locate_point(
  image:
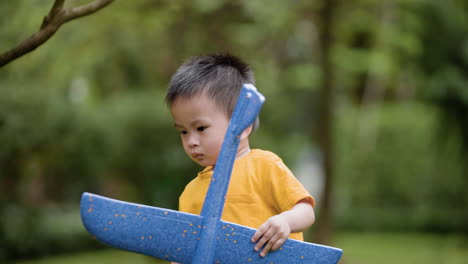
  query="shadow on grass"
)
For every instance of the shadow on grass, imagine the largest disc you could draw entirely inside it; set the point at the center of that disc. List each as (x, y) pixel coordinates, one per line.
(108, 256)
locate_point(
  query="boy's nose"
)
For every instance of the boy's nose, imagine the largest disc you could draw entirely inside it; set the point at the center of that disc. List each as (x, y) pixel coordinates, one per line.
(192, 141)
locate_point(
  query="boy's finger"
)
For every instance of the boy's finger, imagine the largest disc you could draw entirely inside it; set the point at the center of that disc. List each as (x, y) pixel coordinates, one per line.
(266, 249)
(259, 233)
(264, 239)
(270, 245)
(278, 244)
(261, 242)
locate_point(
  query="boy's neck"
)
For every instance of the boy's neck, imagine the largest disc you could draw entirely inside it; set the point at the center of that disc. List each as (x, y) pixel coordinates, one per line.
(242, 152)
(244, 148)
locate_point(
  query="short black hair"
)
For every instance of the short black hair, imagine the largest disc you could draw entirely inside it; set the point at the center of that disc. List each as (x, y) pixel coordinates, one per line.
(219, 76)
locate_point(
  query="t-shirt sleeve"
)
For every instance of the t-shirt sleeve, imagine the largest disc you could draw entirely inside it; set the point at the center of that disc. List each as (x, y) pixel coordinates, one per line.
(286, 189)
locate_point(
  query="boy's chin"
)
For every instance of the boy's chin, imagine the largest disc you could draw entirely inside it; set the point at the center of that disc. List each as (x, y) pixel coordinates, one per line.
(204, 163)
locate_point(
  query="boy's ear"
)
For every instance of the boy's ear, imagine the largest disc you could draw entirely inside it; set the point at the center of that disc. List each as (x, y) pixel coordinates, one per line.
(246, 133)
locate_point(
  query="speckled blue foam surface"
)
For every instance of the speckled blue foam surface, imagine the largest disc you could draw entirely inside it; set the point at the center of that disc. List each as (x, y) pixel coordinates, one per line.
(173, 235)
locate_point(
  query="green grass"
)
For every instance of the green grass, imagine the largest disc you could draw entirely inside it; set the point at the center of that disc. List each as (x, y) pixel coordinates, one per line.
(359, 248)
(402, 248)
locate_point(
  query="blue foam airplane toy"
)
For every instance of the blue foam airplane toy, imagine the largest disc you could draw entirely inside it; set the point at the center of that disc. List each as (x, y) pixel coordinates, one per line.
(197, 239)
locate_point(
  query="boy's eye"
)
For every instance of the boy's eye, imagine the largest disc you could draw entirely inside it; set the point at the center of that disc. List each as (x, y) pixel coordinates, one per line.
(201, 129)
(183, 132)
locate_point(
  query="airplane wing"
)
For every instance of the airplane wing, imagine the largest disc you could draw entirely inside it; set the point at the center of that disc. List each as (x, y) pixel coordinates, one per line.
(173, 235)
(158, 232)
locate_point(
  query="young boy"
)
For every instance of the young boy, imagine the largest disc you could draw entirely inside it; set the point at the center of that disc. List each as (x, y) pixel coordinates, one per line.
(263, 193)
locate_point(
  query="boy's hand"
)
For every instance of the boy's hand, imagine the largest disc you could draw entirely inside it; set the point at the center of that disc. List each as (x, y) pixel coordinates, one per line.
(276, 230)
(272, 234)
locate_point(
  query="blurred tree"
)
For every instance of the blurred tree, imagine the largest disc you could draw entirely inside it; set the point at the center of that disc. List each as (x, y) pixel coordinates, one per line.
(444, 65)
(52, 22)
(388, 53)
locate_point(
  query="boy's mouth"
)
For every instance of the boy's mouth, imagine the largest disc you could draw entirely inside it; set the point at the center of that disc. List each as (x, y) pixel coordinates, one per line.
(197, 155)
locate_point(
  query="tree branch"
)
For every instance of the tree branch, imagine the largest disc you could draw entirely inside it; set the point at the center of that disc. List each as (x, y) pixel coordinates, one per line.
(58, 5)
(57, 17)
(87, 9)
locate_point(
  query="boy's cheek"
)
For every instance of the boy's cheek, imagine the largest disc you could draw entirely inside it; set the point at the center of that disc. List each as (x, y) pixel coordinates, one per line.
(186, 149)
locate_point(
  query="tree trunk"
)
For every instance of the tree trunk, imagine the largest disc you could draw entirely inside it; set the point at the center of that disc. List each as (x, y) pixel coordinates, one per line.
(324, 227)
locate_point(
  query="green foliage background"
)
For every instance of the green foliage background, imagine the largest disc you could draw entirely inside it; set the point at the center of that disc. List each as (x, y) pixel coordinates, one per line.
(86, 111)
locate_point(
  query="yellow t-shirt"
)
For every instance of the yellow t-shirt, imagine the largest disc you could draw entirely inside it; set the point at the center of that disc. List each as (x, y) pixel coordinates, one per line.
(261, 186)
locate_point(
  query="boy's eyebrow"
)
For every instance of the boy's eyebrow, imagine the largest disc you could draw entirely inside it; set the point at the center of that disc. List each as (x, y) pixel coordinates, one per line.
(177, 125)
(194, 123)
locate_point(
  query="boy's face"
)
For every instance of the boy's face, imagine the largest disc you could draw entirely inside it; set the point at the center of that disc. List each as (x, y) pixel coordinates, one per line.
(202, 126)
